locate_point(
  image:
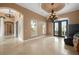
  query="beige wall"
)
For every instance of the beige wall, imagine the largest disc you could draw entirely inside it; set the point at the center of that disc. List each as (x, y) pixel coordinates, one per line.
(73, 17)
(28, 15)
(49, 28)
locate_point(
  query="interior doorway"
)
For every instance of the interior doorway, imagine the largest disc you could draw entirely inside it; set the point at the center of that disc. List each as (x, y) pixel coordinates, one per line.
(9, 28)
(60, 28)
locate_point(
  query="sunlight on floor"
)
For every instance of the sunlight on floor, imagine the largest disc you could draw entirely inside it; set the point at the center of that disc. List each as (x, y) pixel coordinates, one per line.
(44, 45)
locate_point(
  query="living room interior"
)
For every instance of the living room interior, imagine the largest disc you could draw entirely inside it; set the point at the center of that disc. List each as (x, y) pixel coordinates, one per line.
(39, 29)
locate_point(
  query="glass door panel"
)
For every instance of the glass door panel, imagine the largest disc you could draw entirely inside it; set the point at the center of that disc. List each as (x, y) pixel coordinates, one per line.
(56, 28)
(63, 28)
(60, 28)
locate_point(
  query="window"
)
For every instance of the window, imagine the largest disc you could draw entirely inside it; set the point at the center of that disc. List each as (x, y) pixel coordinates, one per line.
(33, 27)
(56, 28)
(44, 28)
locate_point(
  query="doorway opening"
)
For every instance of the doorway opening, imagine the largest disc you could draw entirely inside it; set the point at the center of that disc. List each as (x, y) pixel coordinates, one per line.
(60, 28)
(9, 28)
(11, 24)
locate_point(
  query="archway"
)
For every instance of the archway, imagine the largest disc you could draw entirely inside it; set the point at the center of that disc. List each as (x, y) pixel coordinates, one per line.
(8, 22)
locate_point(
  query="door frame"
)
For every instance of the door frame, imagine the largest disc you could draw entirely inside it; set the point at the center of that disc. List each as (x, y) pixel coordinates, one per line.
(54, 28)
(5, 27)
(59, 27)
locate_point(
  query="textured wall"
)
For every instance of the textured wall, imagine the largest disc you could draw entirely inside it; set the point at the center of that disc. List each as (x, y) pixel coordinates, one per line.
(73, 17)
(73, 26)
(49, 28)
(28, 15)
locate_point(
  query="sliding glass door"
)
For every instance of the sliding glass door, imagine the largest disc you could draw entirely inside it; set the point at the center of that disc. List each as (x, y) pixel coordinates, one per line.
(60, 28)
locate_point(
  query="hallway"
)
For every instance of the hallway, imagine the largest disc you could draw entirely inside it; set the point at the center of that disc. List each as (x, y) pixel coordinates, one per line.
(43, 45)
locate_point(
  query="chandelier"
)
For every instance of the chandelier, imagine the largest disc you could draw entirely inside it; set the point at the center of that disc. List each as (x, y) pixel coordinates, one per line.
(52, 15)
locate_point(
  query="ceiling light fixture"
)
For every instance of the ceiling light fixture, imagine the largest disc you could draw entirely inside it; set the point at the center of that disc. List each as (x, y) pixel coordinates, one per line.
(52, 16)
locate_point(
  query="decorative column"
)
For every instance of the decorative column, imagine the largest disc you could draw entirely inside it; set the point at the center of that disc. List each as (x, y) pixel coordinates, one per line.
(1, 27)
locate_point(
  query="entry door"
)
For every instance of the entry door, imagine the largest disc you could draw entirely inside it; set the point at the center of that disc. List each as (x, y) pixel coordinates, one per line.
(63, 28)
(56, 28)
(60, 28)
(9, 28)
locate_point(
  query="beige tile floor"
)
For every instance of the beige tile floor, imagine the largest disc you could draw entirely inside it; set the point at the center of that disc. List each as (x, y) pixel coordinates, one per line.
(47, 45)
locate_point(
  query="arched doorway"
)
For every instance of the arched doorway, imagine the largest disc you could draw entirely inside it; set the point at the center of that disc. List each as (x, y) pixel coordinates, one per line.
(8, 22)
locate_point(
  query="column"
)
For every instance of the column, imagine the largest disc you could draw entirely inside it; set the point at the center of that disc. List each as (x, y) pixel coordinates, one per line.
(1, 27)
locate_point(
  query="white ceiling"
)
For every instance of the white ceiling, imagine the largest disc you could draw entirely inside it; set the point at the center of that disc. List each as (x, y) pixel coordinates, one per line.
(36, 7)
(69, 7)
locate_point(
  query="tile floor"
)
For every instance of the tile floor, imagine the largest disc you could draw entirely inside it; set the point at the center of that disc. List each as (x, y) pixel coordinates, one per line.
(46, 45)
